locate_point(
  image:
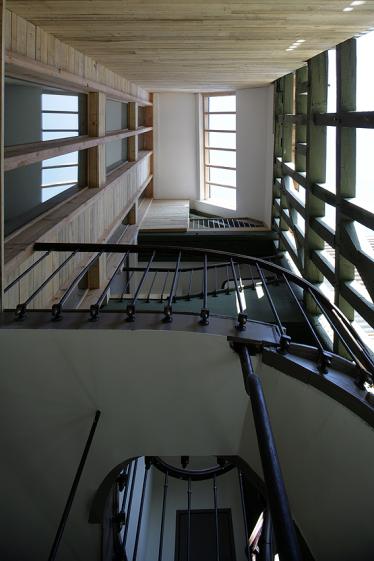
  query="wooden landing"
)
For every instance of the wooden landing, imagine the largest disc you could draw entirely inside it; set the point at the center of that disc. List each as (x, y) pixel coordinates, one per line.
(167, 215)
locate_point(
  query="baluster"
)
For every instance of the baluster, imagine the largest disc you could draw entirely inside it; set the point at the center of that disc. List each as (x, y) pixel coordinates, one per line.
(216, 519)
(94, 309)
(204, 313)
(147, 465)
(284, 339)
(150, 288)
(129, 507)
(26, 271)
(245, 521)
(164, 286)
(161, 544)
(130, 310)
(168, 310)
(22, 308)
(188, 297)
(242, 316)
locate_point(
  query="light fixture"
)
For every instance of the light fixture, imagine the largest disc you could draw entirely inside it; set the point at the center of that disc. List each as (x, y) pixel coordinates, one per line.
(358, 2)
(300, 41)
(349, 9)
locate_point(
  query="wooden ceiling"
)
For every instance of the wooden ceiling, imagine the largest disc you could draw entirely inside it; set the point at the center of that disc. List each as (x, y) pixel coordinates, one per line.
(198, 45)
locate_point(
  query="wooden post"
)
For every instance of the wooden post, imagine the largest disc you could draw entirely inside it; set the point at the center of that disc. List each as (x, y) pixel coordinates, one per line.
(345, 169)
(2, 218)
(133, 125)
(315, 166)
(96, 127)
(148, 143)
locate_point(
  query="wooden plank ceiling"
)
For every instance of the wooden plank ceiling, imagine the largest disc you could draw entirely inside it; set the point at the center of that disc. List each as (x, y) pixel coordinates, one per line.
(199, 45)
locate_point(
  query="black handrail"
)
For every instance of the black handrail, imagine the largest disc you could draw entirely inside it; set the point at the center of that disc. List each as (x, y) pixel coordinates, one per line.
(285, 533)
(73, 490)
(340, 323)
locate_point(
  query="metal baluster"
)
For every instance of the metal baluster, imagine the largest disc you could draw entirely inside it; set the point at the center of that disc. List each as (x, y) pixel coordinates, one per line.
(161, 545)
(245, 521)
(150, 288)
(204, 312)
(324, 358)
(242, 317)
(164, 286)
(26, 271)
(189, 492)
(188, 297)
(128, 512)
(95, 308)
(130, 310)
(253, 280)
(168, 309)
(239, 278)
(57, 308)
(126, 492)
(127, 284)
(73, 490)
(284, 339)
(228, 281)
(21, 308)
(216, 516)
(215, 283)
(147, 465)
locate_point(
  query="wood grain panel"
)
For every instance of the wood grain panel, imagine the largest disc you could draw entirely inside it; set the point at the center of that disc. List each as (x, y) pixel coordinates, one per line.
(198, 45)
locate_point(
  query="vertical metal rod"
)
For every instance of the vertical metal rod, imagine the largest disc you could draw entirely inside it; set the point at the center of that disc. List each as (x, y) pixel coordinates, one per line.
(189, 285)
(126, 492)
(150, 288)
(245, 521)
(215, 282)
(146, 469)
(130, 310)
(164, 286)
(269, 298)
(253, 280)
(204, 312)
(21, 308)
(127, 284)
(73, 490)
(168, 310)
(284, 527)
(227, 280)
(216, 516)
(127, 523)
(2, 187)
(189, 491)
(27, 271)
(161, 545)
(236, 286)
(94, 310)
(239, 278)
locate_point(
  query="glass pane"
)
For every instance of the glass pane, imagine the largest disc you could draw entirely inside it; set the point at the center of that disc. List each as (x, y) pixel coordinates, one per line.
(365, 75)
(299, 220)
(221, 196)
(51, 102)
(221, 158)
(222, 103)
(297, 190)
(222, 122)
(329, 253)
(66, 159)
(291, 239)
(222, 176)
(327, 290)
(364, 177)
(50, 192)
(222, 140)
(331, 91)
(60, 121)
(54, 176)
(59, 134)
(365, 331)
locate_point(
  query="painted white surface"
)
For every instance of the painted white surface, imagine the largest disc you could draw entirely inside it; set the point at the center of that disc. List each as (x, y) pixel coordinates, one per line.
(254, 152)
(176, 146)
(165, 393)
(177, 151)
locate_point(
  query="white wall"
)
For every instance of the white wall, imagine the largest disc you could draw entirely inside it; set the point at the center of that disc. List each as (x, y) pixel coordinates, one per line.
(255, 152)
(177, 151)
(176, 146)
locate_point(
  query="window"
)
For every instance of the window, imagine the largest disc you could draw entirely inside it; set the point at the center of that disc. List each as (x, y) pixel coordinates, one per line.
(116, 152)
(220, 149)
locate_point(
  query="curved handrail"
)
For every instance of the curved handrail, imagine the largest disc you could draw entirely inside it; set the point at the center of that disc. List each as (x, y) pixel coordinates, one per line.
(350, 339)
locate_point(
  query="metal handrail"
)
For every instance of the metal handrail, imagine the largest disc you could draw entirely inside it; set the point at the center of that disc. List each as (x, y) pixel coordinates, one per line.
(337, 320)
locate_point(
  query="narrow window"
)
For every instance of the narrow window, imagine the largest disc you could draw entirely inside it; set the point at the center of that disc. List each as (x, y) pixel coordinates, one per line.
(220, 149)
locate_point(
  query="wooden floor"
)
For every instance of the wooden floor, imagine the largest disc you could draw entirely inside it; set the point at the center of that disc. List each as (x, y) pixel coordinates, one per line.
(167, 216)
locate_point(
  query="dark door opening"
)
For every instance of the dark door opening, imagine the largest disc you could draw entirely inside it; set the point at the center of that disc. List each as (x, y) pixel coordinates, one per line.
(203, 535)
